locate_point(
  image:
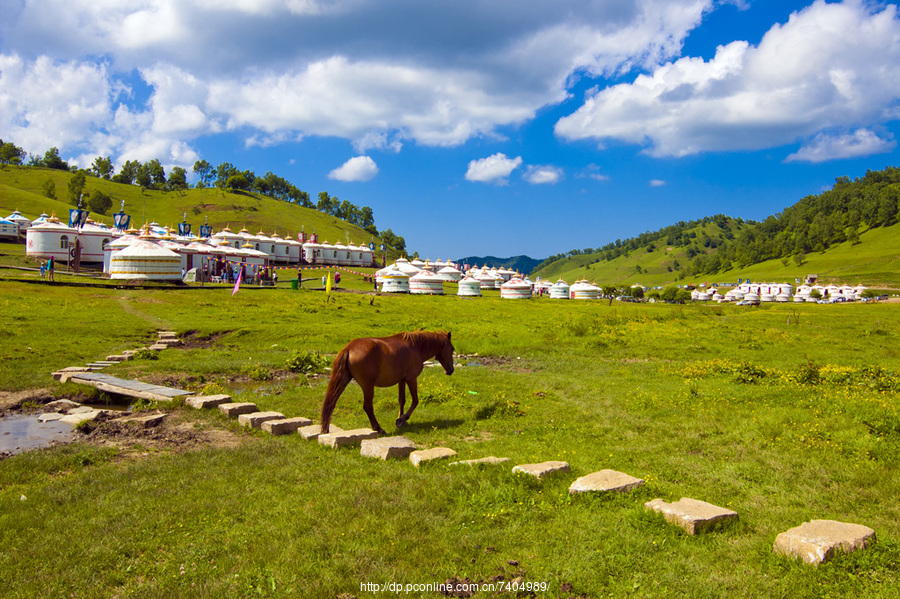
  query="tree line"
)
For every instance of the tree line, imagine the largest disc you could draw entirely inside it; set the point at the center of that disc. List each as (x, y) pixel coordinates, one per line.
(152, 175)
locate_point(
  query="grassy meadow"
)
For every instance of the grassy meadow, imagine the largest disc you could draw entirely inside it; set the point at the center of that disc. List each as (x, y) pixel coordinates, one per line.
(784, 413)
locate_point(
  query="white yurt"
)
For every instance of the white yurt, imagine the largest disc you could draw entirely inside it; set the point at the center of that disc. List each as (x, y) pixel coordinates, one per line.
(426, 282)
(450, 274)
(515, 289)
(22, 222)
(405, 267)
(49, 238)
(145, 259)
(489, 279)
(417, 263)
(114, 246)
(394, 281)
(584, 290)
(9, 230)
(560, 290)
(469, 287)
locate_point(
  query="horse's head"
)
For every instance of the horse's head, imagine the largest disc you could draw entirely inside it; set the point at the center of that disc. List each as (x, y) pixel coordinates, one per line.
(445, 355)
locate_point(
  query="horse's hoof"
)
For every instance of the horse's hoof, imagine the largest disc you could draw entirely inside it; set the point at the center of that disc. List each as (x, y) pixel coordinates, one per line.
(400, 423)
(381, 431)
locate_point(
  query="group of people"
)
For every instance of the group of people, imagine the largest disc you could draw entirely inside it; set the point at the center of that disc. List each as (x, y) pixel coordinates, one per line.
(47, 269)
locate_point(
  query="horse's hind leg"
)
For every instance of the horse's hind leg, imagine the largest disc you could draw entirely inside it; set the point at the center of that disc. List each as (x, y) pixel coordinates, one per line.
(414, 393)
(401, 399)
(369, 407)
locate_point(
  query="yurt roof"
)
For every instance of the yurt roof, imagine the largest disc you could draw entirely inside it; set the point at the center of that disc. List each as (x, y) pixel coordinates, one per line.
(145, 247)
(426, 275)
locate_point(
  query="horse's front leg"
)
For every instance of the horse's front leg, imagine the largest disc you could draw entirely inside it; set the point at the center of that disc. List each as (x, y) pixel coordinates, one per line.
(401, 399)
(414, 393)
(369, 407)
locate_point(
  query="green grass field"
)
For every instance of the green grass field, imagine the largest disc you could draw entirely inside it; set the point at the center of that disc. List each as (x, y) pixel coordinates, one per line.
(783, 413)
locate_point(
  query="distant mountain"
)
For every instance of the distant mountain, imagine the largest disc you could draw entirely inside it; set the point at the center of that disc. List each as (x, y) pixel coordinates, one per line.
(523, 264)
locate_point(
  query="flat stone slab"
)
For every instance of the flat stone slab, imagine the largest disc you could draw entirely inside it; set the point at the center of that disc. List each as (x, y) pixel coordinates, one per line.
(818, 541)
(158, 346)
(313, 431)
(255, 419)
(429, 455)
(693, 515)
(146, 420)
(488, 460)
(94, 366)
(386, 448)
(609, 481)
(541, 470)
(163, 334)
(168, 341)
(201, 402)
(50, 416)
(235, 409)
(347, 438)
(78, 418)
(285, 426)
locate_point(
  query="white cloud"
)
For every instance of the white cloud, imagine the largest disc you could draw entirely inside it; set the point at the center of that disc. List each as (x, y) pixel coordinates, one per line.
(831, 66)
(493, 169)
(657, 182)
(824, 147)
(539, 175)
(372, 73)
(359, 168)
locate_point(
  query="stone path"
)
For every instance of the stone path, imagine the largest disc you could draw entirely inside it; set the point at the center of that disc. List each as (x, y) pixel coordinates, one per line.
(813, 542)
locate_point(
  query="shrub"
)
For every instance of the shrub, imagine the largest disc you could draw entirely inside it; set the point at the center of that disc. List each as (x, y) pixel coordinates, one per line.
(306, 362)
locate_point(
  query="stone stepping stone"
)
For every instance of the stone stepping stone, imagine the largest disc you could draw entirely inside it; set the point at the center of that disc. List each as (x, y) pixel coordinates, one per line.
(146, 421)
(81, 410)
(158, 346)
(693, 515)
(200, 402)
(386, 448)
(233, 410)
(285, 426)
(167, 341)
(429, 455)
(541, 470)
(488, 460)
(50, 417)
(818, 541)
(79, 417)
(118, 358)
(605, 481)
(95, 366)
(255, 419)
(347, 438)
(60, 374)
(312, 431)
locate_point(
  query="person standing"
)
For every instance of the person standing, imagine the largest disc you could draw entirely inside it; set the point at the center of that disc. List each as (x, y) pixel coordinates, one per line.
(50, 269)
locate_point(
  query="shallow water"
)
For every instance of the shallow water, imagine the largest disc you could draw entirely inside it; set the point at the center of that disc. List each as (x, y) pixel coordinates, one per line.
(19, 432)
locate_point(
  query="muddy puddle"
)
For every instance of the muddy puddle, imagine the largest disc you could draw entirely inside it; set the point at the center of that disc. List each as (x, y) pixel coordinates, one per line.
(21, 432)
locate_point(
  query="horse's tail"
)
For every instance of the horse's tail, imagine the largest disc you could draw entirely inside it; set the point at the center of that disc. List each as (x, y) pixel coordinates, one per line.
(340, 377)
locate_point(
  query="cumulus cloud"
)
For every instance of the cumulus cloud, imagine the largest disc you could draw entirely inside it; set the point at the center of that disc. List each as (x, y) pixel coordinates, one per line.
(372, 73)
(541, 175)
(493, 169)
(359, 168)
(657, 182)
(830, 66)
(824, 147)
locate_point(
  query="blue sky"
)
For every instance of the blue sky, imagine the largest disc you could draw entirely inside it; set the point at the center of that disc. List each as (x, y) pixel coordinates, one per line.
(472, 127)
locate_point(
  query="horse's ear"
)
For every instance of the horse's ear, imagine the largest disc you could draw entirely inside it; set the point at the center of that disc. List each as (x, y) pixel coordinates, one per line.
(448, 335)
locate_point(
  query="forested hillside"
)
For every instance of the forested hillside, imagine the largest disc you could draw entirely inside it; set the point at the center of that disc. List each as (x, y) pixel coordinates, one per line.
(841, 223)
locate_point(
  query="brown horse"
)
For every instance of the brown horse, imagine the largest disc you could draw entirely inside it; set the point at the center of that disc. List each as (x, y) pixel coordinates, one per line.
(385, 362)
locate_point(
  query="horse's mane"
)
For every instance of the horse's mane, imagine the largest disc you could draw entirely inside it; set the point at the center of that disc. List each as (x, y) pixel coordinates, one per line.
(427, 341)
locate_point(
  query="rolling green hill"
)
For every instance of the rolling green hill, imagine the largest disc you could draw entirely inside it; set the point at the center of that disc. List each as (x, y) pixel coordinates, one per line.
(874, 261)
(22, 188)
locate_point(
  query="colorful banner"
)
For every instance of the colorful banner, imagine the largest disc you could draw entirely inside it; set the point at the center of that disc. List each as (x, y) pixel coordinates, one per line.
(77, 217)
(237, 284)
(121, 220)
(205, 231)
(184, 229)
